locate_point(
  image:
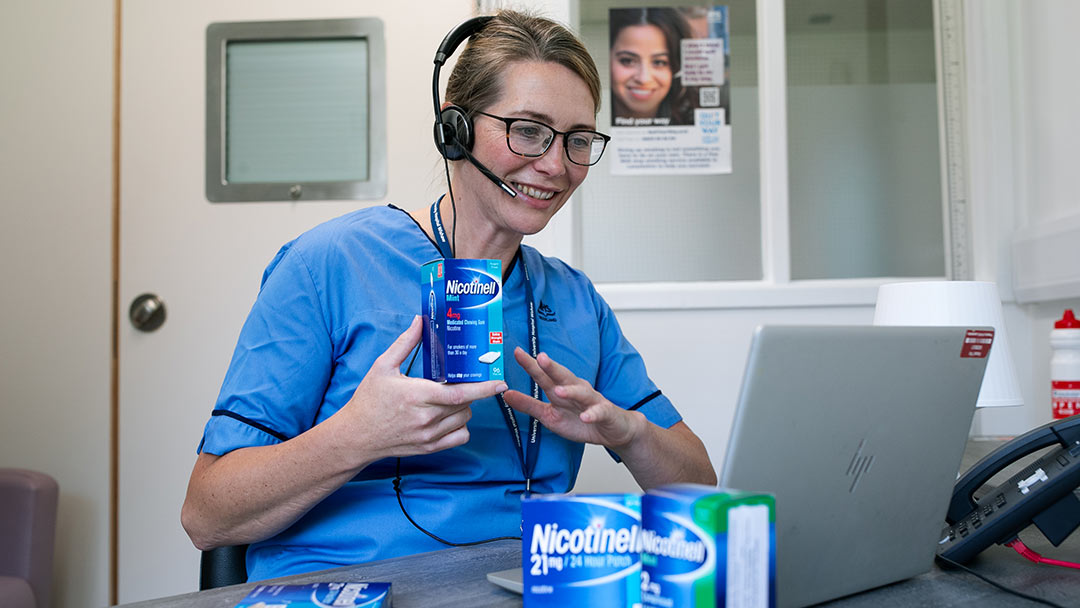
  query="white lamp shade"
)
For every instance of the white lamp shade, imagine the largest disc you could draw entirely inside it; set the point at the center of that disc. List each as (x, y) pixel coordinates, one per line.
(970, 303)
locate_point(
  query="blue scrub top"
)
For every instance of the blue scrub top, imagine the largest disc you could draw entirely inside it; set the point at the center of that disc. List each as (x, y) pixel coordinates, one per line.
(331, 302)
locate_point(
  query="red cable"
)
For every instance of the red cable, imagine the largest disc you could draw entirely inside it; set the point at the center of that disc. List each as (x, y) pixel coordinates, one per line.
(1022, 549)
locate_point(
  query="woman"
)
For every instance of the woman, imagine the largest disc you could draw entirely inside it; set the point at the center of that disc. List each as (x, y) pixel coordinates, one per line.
(645, 65)
(326, 448)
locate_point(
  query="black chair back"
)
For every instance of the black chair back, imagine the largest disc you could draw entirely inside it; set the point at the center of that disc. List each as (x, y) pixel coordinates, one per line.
(223, 566)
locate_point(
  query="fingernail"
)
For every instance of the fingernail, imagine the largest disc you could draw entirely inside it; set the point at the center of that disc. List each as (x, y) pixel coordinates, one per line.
(502, 388)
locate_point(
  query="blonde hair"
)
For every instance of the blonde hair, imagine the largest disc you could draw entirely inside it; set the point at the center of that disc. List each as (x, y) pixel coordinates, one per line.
(512, 36)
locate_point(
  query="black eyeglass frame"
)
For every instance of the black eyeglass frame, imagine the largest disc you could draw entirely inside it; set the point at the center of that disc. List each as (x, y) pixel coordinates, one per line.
(555, 132)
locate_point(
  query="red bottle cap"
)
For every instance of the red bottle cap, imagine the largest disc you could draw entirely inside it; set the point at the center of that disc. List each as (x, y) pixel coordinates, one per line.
(1068, 321)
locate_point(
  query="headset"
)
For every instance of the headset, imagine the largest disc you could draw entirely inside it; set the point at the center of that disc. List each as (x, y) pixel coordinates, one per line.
(453, 128)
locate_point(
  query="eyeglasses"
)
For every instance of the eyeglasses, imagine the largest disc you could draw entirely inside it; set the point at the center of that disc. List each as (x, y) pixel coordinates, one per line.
(532, 139)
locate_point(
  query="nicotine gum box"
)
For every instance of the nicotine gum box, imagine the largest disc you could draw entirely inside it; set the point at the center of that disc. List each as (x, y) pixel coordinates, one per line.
(581, 550)
(317, 595)
(463, 322)
(704, 546)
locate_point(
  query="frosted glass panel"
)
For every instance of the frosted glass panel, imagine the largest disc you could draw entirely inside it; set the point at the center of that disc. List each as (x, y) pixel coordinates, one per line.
(297, 111)
(864, 166)
(676, 228)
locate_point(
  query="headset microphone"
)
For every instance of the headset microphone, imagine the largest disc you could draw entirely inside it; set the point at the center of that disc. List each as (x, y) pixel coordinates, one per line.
(488, 173)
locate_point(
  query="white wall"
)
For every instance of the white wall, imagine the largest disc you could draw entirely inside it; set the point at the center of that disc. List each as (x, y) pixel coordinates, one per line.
(1023, 129)
(56, 66)
(1048, 106)
(1046, 264)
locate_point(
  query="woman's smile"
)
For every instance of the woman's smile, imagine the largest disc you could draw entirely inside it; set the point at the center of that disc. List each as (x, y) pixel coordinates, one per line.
(532, 192)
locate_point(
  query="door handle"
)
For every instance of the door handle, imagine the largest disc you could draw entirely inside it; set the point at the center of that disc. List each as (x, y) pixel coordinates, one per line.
(147, 312)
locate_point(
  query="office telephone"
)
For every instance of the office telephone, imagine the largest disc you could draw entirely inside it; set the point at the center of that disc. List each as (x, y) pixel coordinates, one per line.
(1042, 493)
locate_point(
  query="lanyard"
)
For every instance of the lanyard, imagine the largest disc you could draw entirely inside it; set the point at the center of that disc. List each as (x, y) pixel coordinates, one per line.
(529, 452)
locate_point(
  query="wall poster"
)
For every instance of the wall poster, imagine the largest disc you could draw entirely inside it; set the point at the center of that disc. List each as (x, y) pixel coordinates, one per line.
(670, 95)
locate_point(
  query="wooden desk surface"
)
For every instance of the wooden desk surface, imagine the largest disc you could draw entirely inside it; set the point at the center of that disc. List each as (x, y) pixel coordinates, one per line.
(456, 577)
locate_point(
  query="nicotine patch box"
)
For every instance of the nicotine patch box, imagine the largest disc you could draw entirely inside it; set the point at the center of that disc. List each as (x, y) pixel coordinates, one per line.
(319, 595)
(581, 550)
(463, 320)
(703, 547)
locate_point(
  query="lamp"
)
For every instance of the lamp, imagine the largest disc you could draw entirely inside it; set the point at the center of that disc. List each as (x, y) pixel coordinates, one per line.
(970, 303)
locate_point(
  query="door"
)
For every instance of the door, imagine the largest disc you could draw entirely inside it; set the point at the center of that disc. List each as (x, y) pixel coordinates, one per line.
(204, 260)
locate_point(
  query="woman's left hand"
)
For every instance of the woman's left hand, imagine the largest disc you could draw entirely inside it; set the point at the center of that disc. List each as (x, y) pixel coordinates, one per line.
(576, 410)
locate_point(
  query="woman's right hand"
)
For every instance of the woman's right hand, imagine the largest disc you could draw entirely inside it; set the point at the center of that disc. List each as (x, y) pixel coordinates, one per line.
(393, 415)
(252, 493)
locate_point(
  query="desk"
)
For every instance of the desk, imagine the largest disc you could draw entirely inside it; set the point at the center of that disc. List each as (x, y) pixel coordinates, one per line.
(452, 578)
(456, 577)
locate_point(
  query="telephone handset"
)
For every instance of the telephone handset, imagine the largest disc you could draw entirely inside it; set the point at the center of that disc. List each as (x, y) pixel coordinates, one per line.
(1042, 493)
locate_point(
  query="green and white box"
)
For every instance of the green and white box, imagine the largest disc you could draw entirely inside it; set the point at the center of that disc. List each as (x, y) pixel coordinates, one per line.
(704, 546)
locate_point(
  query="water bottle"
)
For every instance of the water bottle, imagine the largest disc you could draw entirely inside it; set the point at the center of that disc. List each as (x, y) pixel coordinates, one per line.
(1065, 366)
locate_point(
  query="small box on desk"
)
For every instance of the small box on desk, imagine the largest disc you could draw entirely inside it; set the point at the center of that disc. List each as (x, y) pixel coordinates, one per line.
(703, 547)
(581, 550)
(318, 595)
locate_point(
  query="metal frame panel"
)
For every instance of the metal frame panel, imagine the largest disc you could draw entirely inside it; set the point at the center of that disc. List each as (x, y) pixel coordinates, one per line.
(218, 35)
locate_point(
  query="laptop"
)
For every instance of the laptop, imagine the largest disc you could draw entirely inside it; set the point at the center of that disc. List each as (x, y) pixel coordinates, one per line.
(858, 431)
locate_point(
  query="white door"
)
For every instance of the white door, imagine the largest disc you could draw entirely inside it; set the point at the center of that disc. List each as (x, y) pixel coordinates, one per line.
(204, 260)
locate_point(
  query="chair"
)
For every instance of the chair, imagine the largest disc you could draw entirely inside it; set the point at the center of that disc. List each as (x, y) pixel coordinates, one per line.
(28, 502)
(223, 566)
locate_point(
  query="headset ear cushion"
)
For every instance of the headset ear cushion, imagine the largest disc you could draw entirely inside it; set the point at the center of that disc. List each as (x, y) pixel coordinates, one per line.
(457, 129)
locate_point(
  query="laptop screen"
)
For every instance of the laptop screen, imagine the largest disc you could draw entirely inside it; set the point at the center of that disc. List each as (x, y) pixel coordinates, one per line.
(858, 431)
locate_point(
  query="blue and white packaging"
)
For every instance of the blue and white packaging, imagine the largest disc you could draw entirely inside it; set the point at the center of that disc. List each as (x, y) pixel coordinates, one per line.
(704, 547)
(463, 324)
(319, 595)
(581, 550)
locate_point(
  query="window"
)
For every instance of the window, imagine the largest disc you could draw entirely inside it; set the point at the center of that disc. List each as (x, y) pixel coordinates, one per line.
(864, 171)
(296, 110)
(836, 162)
